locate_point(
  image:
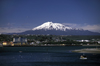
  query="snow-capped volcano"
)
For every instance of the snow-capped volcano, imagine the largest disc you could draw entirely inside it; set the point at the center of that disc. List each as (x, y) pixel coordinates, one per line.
(56, 29)
(52, 26)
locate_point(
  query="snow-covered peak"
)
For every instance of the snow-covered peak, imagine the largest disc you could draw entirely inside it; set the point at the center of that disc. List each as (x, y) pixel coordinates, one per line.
(51, 26)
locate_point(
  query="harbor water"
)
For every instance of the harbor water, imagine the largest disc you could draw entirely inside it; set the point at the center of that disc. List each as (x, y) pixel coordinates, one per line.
(46, 56)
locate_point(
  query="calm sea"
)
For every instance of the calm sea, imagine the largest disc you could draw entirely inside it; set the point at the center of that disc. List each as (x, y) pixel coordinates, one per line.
(46, 56)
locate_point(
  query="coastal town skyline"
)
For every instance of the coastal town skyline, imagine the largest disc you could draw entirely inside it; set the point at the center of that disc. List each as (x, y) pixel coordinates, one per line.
(22, 15)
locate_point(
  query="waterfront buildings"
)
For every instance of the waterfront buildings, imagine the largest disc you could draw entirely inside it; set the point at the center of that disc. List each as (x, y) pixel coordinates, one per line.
(19, 41)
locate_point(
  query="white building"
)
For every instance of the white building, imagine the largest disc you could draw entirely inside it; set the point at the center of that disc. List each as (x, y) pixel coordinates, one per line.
(37, 42)
(32, 43)
(82, 40)
(99, 42)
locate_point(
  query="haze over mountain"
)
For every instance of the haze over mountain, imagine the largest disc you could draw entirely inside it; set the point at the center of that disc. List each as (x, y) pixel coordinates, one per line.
(57, 29)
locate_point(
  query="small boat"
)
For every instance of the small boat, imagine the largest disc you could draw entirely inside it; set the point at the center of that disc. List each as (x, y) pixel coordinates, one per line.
(83, 57)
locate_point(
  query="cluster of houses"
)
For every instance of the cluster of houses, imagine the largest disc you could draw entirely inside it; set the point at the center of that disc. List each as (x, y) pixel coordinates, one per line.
(24, 41)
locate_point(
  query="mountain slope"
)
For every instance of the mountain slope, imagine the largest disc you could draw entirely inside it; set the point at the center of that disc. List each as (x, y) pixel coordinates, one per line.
(58, 32)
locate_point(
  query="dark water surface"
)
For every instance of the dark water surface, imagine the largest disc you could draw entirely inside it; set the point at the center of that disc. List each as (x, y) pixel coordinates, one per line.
(46, 56)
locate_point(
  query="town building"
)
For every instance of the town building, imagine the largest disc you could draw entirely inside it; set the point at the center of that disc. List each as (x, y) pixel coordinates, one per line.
(4, 43)
(19, 41)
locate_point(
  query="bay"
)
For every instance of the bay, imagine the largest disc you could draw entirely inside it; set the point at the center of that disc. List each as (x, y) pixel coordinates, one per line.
(46, 56)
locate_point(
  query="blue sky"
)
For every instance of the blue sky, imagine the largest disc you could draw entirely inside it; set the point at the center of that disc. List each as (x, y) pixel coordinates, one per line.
(22, 15)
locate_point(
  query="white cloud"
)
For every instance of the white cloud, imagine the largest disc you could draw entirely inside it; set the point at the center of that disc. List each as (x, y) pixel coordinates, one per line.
(70, 24)
(12, 30)
(94, 28)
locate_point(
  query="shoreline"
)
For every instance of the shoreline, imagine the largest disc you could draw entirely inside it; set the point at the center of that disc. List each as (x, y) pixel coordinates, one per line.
(86, 50)
(40, 45)
(90, 45)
